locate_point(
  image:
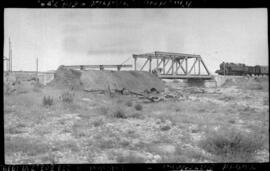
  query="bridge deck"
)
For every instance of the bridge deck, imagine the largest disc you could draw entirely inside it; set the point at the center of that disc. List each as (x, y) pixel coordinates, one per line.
(167, 76)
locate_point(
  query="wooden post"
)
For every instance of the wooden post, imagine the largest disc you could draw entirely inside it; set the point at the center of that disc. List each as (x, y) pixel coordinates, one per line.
(135, 63)
(118, 67)
(37, 66)
(101, 67)
(224, 68)
(10, 55)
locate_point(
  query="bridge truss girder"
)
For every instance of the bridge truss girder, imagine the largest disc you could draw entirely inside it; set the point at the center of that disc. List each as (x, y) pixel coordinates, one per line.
(173, 64)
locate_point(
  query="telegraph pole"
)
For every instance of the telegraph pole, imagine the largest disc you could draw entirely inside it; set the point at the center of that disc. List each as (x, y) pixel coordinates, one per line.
(224, 68)
(37, 66)
(10, 55)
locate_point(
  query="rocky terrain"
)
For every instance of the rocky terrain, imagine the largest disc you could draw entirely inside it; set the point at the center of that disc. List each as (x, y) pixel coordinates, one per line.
(52, 124)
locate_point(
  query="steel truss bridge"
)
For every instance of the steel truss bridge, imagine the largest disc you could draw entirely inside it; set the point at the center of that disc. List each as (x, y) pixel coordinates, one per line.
(173, 65)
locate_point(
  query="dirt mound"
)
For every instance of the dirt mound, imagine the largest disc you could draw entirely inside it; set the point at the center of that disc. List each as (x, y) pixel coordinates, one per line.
(20, 83)
(102, 80)
(66, 78)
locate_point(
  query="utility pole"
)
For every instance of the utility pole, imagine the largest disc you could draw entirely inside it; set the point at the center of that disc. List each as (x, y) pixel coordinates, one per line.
(37, 66)
(224, 68)
(10, 55)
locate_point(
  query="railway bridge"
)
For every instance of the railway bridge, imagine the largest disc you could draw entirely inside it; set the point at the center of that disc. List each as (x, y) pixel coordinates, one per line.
(173, 65)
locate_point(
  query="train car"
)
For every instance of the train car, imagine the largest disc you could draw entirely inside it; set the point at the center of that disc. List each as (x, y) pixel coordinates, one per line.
(232, 69)
(251, 70)
(264, 70)
(241, 69)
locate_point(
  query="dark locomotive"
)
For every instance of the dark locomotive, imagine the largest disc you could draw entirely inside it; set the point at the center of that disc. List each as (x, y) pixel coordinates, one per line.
(241, 69)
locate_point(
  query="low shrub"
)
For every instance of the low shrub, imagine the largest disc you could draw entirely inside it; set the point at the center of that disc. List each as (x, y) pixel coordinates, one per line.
(232, 121)
(165, 128)
(119, 101)
(29, 146)
(129, 103)
(67, 97)
(266, 101)
(37, 89)
(131, 157)
(232, 145)
(98, 122)
(136, 115)
(47, 101)
(138, 107)
(119, 113)
(255, 86)
(102, 110)
(8, 89)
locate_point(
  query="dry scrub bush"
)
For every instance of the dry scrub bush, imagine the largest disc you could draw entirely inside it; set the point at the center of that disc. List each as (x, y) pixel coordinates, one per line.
(47, 101)
(67, 97)
(138, 107)
(98, 122)
(136, 115)
(165, 128)
(119, 113)
(103, 110)
(131, 157)
(232, 145)
(8, 89)
(37, 89)
(266, 101)
(129, 103)
(254, 86)
(29, 146)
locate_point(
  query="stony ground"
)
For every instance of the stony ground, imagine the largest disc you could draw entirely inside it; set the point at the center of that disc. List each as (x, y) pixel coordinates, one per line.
(97, 128)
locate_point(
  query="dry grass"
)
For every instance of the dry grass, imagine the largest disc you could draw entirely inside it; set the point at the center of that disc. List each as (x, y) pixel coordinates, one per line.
(231, 145)
(47, 101)
(67, 97)
(129, 103)
(95, 127)
(130, 157)
(28, 146)
(119, 113)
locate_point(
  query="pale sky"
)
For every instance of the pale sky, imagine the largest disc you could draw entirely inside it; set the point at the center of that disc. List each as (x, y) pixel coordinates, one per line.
(110, 36)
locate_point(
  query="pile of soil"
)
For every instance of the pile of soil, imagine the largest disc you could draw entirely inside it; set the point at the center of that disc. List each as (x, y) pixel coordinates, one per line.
(102, 80)
(20, 83)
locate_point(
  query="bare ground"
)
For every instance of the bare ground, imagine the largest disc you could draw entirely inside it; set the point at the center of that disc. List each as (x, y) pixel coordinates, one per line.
(97, 128)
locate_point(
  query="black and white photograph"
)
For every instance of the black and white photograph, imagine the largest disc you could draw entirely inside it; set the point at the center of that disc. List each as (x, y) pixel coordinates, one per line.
(135, 85)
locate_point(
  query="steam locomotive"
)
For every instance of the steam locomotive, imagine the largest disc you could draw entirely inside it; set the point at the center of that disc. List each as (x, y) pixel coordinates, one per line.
(241, 69)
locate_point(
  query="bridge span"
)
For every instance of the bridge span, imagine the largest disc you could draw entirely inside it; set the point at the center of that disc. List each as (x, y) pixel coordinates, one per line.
(169, 65)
